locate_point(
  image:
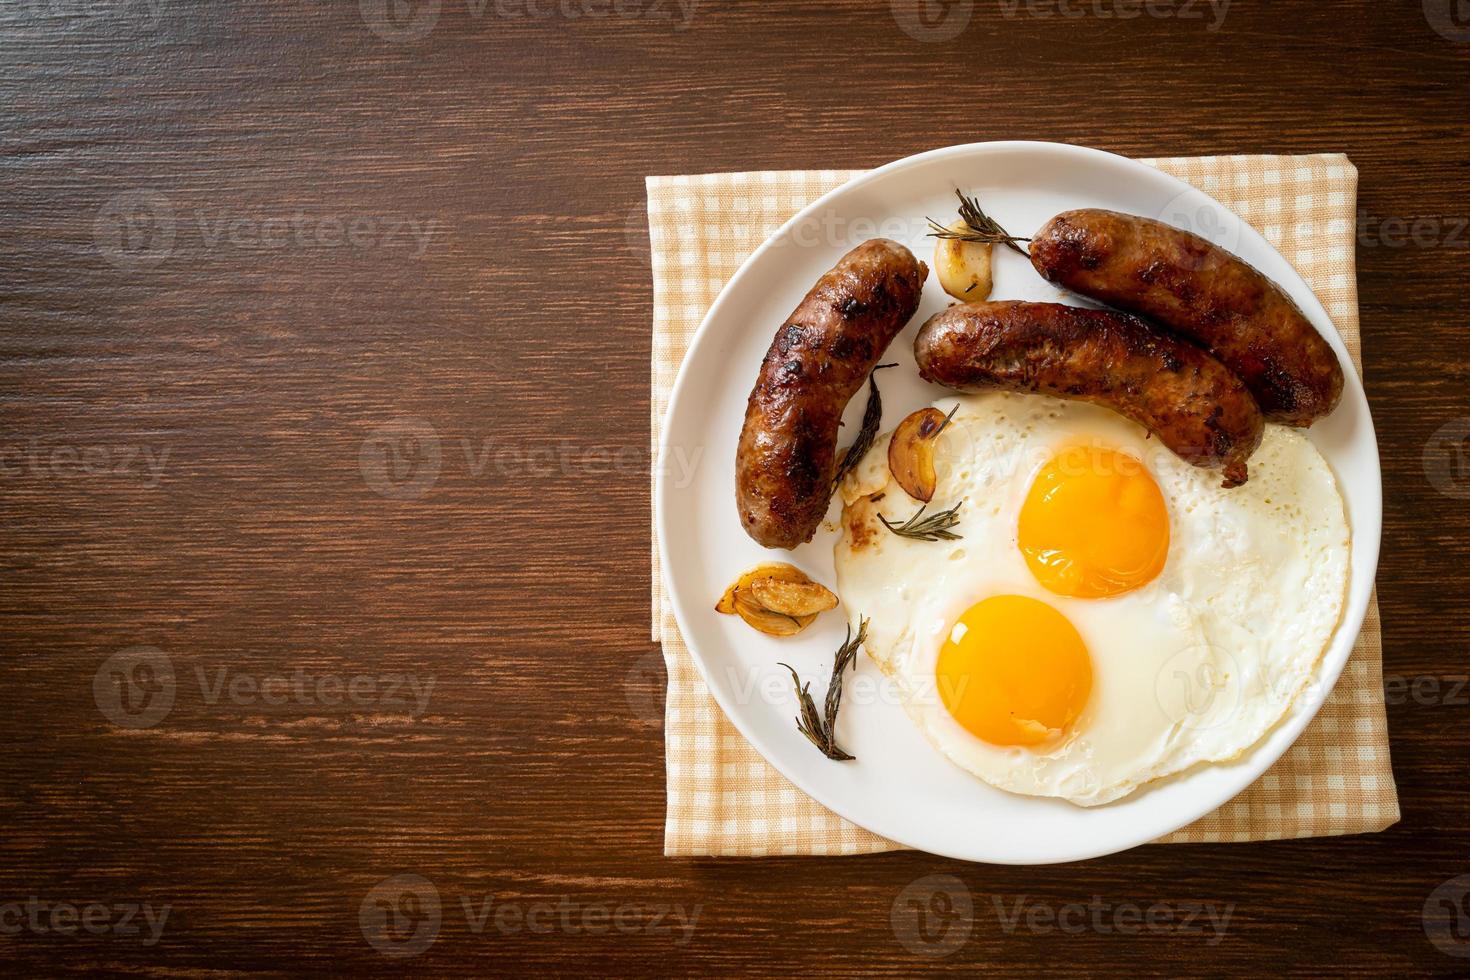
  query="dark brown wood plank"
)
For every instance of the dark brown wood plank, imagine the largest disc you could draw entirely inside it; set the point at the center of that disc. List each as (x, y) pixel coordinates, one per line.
(184, 420)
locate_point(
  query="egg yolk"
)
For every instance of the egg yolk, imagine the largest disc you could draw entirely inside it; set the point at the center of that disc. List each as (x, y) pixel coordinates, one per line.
(1094, 524)
(1014, 671)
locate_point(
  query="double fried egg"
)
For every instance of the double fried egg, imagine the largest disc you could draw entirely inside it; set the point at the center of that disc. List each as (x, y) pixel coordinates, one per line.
(1108, 615)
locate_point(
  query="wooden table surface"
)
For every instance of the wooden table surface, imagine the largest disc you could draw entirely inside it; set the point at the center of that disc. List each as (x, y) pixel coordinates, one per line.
(260, 668)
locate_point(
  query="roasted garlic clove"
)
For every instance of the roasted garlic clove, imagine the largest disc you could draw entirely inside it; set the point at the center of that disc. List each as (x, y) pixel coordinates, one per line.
(776, 598)
(764, 620)
(792, 598)
(963, 267)
(778, 570)
(911, 452)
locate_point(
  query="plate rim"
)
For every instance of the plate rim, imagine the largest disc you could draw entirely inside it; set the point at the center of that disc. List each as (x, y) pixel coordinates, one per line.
(1354, 610)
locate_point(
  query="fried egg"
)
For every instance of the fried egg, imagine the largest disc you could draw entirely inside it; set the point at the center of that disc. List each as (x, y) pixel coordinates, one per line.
(1109, 615)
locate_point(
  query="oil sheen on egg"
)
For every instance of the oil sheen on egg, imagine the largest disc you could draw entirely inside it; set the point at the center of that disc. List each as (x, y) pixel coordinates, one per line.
(1111, 615)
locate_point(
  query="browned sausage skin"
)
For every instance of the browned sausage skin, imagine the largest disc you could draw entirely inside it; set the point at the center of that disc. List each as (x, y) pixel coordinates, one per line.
(1192, 402)
(1203, 293)
(821, 355)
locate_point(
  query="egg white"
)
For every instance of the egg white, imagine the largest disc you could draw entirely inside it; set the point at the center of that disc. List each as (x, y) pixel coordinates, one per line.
(1197, 666)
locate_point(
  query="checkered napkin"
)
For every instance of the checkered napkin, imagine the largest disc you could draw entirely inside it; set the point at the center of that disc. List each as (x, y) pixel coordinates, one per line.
(724, 799)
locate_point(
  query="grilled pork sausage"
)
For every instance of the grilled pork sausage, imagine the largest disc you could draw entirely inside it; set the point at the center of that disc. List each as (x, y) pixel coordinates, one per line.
(821, 355)
(1203, 293)
(1192, 402)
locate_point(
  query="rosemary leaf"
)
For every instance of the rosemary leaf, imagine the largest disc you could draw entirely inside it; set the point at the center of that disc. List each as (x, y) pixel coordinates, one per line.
(936, 527)
(821, 730)
(872, 418)
(809, 723)
(979, 227)
(945, 424)
(846, 656)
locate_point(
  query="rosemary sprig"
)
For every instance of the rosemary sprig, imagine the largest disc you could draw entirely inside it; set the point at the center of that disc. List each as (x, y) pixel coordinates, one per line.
(821, 730)
(979, 227)
(872, 418)
(945, 424)
(935, 527)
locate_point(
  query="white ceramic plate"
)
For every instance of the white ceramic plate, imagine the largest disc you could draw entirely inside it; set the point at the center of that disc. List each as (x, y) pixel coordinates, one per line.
(900, 787)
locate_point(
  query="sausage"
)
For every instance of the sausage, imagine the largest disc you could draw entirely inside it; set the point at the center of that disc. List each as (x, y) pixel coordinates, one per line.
(821, 355)
(1203, 293)
(1192, 402)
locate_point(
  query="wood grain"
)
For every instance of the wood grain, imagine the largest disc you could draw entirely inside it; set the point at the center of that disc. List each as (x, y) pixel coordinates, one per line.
(255, 355)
